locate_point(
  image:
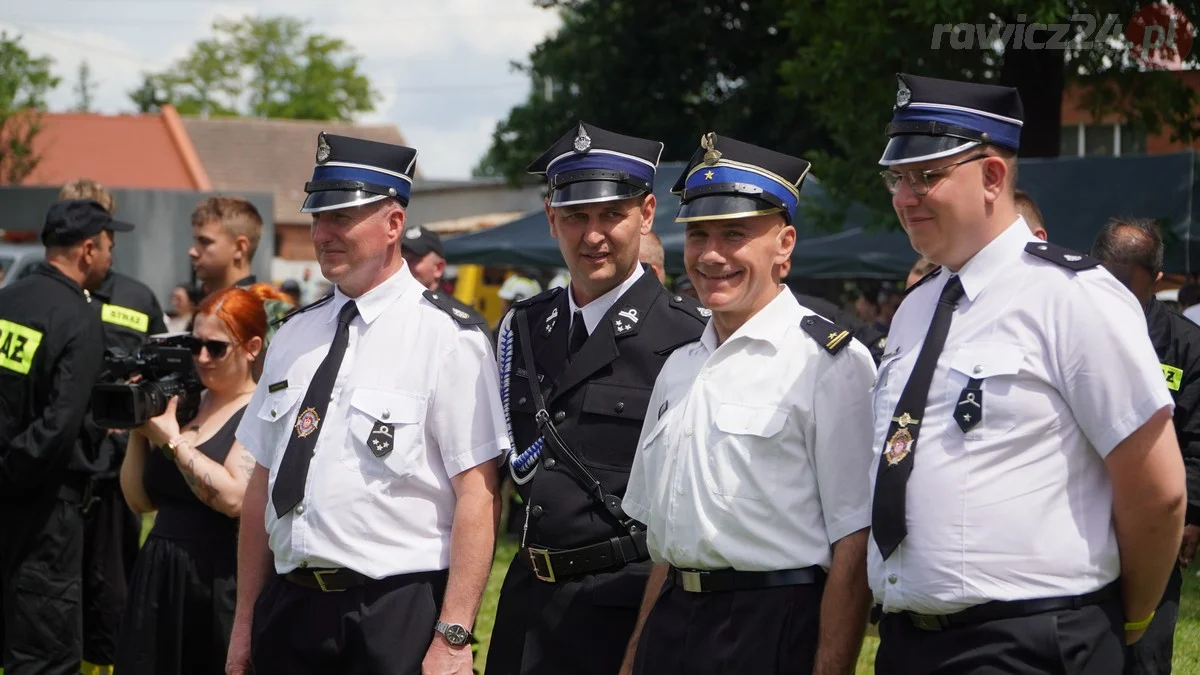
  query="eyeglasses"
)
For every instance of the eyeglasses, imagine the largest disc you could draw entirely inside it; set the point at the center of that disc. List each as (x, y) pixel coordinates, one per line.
(926, 180)
(216, 348)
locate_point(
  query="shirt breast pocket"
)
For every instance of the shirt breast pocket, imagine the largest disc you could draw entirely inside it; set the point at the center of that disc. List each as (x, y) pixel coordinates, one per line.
(744, 453)
(278, 409)
(387, 432)
(980, 390)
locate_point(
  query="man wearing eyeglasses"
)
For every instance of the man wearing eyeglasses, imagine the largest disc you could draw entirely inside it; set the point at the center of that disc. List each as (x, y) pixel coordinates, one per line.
(1028, 493)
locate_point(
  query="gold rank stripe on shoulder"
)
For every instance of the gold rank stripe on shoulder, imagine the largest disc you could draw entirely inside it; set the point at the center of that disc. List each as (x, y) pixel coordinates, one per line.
(18, 344)
(835, 339)
(125, 317)
(1173, 375)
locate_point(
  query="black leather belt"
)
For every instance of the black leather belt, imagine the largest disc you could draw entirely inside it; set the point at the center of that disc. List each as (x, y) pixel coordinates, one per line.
(1007, 609)
(708, 581)
(328, 580)
(613, 554)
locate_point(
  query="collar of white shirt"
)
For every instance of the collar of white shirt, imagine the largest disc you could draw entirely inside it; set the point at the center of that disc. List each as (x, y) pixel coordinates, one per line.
(770, 324)
(993, 258)
(372, 303)
(596, 309)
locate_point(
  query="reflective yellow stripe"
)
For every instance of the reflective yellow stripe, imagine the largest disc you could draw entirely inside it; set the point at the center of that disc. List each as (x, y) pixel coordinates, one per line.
(18, 344)
(123, 316)
(1174, 376)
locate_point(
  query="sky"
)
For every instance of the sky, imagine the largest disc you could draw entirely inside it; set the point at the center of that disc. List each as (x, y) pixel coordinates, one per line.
(442, 67)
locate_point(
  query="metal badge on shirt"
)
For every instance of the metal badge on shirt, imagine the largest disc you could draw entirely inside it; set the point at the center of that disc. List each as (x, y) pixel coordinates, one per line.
(380, 441)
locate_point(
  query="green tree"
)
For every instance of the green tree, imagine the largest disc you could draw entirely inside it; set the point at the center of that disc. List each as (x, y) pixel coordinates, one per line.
(263, 67)
(669, 71)
(24, 82)
(817, 78)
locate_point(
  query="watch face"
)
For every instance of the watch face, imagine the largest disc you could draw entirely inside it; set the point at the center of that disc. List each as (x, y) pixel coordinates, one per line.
(456, 635)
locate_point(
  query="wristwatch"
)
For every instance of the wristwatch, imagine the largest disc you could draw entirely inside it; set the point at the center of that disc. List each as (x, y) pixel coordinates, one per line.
(455, 634)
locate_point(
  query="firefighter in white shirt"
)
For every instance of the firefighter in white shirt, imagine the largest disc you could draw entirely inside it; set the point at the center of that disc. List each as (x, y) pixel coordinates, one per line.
(369, 522)
(752, 469)
(1028, 494)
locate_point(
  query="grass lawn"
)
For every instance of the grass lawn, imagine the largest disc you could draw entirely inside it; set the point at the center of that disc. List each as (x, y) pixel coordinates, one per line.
(1187, 632)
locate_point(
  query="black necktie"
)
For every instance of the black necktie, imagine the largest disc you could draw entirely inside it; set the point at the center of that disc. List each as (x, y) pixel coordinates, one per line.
(579, 334)
(896, 463)
(293, 470)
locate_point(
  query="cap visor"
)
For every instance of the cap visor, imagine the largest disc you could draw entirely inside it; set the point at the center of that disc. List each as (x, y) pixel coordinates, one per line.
(328, 200)
(119, 226)
(592, 191)
(919, 147)
(724, 207)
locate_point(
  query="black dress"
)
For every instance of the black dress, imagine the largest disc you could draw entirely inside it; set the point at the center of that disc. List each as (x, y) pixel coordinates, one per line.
(182, 597)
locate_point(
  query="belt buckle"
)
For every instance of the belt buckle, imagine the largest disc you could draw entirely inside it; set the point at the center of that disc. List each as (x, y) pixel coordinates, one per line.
(691, 581)
(319, 575)
(928, 621)
(540, 553)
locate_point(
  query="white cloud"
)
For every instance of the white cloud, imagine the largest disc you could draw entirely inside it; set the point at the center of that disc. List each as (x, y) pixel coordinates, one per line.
(441, 66)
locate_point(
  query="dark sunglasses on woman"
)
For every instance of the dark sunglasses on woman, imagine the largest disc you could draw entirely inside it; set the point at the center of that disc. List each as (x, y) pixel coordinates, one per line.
(216, 348)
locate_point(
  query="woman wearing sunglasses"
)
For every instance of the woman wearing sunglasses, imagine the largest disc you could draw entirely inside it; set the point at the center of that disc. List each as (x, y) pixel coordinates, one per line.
(194, 474)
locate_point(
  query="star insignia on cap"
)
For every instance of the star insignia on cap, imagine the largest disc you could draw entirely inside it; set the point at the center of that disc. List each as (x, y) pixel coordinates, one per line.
(903, 95)
(583, 142)
(323, 149)
(708, 175)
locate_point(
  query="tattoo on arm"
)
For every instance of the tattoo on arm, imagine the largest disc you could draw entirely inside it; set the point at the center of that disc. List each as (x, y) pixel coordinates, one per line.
(248, 464)
(201, 487)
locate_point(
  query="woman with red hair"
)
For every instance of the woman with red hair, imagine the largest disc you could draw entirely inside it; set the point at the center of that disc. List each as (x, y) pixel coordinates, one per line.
(194, 474)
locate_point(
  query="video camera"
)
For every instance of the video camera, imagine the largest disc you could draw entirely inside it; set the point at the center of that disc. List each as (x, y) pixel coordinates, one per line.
(165, 365)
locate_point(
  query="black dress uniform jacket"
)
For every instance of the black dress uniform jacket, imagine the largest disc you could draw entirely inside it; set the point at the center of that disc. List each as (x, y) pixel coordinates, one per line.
(581, 624)
(50, 353)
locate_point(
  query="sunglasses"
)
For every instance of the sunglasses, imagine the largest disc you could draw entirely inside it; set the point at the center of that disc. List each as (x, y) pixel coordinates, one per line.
(216, 348)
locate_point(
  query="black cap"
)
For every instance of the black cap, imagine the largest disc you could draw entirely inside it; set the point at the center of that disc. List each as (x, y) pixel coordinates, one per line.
(731, 179)
(71, 221)
(355, 171)
(420, 241)
(590, 165)
(936, 118)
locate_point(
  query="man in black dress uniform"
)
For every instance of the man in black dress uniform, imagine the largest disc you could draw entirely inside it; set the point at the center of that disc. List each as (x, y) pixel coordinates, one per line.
(570, 599)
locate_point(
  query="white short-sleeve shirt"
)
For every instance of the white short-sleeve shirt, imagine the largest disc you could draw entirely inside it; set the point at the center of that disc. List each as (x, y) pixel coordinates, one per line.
(754, 453)
(1020, 505)
(409, 364)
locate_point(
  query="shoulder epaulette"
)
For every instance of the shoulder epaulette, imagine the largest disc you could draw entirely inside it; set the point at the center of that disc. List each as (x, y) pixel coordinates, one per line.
(539, 298)
(300, 310)
(463, 314)
(1058, 255)
(831, 336)
(690, 306)
(929, 275)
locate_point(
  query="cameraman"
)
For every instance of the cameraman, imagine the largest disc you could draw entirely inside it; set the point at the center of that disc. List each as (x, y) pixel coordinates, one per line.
(50, 355)
(129, 313)
(194, 474)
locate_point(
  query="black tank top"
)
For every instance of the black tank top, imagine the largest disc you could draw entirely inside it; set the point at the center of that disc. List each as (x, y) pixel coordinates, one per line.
(181, 514)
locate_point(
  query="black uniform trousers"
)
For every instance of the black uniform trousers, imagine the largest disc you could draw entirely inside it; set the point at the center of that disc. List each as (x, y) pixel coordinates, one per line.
(381, 628)
(1086, 641)
(579, 625)
(763, 631)
(110, 545)
(1151, 655)
(41, 564)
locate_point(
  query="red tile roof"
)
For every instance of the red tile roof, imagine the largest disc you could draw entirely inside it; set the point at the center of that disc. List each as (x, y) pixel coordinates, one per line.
(126, 151)
(271, 155)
